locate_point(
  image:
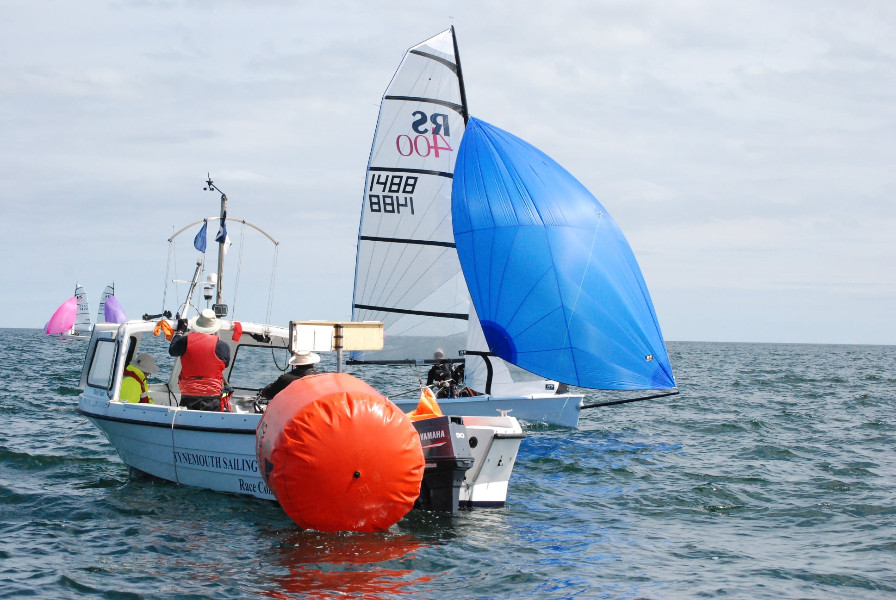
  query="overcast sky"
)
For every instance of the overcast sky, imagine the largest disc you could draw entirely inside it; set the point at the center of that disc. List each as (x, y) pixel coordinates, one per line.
(746, 149)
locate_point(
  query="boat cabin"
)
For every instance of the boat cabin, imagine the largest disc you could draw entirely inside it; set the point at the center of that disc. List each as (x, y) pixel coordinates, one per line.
(257, 357)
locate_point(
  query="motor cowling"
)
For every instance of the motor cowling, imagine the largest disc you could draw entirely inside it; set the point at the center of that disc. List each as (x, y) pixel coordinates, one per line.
(446, 449)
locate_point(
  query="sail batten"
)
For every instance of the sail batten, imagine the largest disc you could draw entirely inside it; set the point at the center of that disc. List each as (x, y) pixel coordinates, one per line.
(451, 105)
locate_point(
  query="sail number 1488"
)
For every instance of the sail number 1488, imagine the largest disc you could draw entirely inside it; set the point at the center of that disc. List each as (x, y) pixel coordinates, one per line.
(391, 193)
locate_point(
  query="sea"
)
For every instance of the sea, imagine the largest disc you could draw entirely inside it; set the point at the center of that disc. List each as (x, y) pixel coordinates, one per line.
(771, 475)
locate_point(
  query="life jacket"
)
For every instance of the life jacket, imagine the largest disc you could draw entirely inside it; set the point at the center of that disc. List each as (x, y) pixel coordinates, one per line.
(201, 371)
(132, 372)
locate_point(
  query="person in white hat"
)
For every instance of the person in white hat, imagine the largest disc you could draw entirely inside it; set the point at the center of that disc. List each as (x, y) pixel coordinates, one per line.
(203, 358)
(302, 363)
(134, 387)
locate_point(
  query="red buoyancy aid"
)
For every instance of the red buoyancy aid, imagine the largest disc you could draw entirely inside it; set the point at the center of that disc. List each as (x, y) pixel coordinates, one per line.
(201, 371)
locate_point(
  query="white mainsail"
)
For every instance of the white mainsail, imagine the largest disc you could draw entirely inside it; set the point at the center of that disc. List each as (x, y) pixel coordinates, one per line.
(82, 324)
(101, 312)
(407, 272)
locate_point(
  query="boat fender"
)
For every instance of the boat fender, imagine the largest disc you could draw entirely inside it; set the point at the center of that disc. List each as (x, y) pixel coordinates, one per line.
(338, 456)
(237, 331)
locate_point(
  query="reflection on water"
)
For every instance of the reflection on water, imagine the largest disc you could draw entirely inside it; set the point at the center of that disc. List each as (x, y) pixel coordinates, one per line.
(327, 565)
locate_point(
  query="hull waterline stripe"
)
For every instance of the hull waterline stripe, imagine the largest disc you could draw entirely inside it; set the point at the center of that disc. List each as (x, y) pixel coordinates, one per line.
(248, 431)
(405, 311)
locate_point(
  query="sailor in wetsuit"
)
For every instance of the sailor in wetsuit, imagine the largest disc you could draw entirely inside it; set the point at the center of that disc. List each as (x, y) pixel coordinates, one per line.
(440, 375)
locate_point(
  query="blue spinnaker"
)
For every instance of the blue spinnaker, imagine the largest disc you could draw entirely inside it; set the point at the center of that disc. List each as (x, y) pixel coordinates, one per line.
(555, 283)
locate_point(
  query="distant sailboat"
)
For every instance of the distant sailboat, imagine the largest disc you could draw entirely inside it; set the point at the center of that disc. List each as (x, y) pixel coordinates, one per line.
(72, 319)
(110, 310)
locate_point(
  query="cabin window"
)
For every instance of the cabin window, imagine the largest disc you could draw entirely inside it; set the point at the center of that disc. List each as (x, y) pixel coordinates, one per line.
(256, 366)
(102, 365)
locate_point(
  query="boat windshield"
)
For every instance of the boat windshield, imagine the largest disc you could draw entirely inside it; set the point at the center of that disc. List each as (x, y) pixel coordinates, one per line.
(102, 365)
(256, 366)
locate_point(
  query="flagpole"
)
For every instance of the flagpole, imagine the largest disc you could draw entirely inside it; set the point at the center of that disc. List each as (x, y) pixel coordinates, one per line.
(220, 307)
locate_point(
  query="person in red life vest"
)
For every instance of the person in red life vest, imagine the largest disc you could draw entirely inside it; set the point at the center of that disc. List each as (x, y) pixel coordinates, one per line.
(203, 358)
(302, 364)
(134, 387)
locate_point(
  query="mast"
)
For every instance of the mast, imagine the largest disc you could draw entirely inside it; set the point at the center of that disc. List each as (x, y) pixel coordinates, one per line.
(219, 306)
(465, 112)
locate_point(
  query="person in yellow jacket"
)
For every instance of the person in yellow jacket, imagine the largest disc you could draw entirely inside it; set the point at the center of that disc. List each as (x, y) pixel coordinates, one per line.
(134, 387)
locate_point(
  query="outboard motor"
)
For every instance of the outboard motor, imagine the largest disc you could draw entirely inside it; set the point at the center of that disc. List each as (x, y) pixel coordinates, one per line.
(446, 450)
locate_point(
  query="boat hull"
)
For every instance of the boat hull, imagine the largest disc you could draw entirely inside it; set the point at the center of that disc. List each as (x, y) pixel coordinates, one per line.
(208, 450)
(554, 409)
(216, 451)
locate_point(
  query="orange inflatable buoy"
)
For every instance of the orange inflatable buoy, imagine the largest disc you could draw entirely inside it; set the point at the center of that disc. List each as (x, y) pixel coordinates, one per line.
(338, 456)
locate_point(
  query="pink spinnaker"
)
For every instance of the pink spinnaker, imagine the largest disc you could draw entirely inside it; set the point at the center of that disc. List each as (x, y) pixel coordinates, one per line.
(64, 317)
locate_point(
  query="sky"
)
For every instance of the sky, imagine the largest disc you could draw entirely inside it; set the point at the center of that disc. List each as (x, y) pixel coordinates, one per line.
(746, 149)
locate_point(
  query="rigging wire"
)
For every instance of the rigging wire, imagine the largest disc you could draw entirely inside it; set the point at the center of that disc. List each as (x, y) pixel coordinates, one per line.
(239, 271)
(273, 277)
(165, 282)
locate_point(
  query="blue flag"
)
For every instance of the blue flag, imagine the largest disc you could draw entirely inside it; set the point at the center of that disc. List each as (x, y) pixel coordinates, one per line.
(199, 240)
(222, 233)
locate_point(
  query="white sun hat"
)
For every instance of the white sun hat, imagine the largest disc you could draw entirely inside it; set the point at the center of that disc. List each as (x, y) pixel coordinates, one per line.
(303, 357)
(206, 322)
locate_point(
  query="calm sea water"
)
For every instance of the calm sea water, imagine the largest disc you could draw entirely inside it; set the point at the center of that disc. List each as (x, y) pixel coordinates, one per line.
(772, 475)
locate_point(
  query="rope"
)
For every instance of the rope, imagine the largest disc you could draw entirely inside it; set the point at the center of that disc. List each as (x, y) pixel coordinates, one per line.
(626, 401)
(167, 271)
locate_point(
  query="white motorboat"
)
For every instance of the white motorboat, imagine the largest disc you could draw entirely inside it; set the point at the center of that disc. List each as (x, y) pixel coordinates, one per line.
(217, 450)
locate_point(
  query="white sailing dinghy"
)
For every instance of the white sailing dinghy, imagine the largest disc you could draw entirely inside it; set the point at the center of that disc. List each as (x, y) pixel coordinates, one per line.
(475, 243)
(217, 450)
(72, 319)
(110, 310)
